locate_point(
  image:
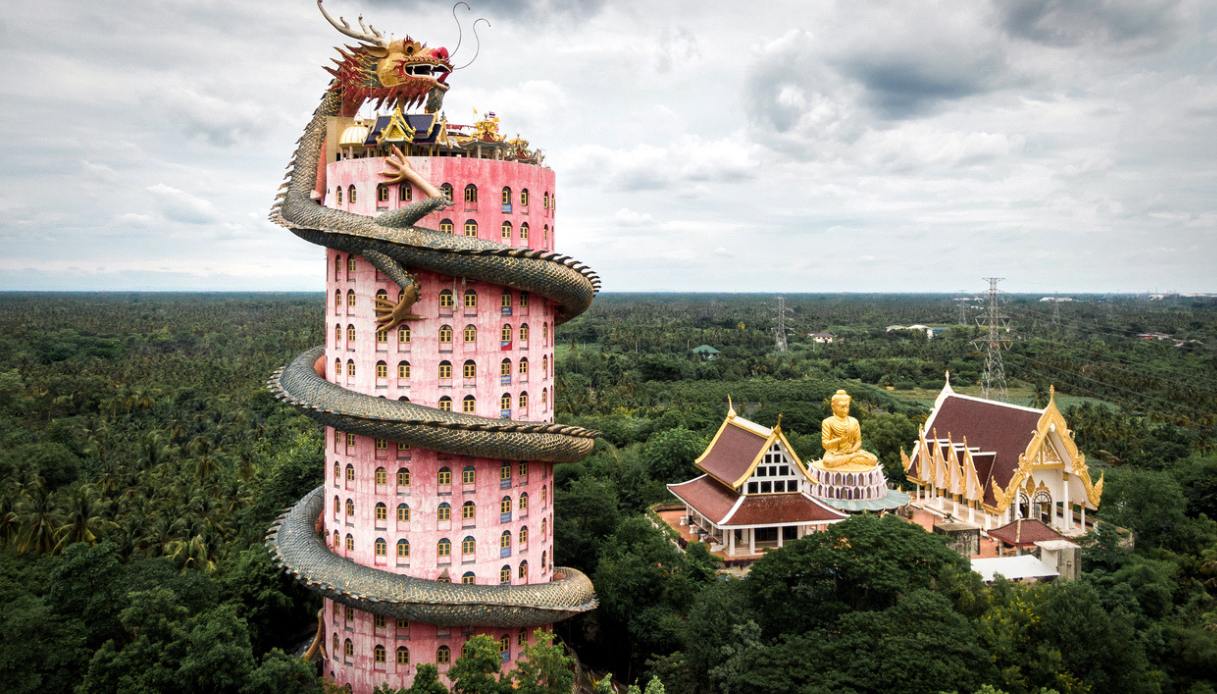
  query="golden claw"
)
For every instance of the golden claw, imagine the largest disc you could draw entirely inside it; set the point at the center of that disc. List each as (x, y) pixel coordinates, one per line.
(389, 313)
(398, 167)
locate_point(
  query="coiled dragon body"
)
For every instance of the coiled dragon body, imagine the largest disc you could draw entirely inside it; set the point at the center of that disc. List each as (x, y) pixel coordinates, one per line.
(401, 73)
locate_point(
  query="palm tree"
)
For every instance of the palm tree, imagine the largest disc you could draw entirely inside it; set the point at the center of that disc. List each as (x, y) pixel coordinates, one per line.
(8, 519)
(191, 554)
(83, 520)
(38, 520)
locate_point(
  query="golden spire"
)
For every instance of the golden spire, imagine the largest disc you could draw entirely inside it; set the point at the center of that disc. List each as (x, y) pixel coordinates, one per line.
(730, 406)
(778, 424)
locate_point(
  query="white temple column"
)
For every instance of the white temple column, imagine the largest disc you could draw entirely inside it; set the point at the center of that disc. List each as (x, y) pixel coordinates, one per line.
(730, 542)
(781, 532)
(751, 540)
(1068, 510)
(1083, 517)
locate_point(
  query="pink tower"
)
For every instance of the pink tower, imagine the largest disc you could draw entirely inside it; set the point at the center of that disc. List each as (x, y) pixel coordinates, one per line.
(436, 381)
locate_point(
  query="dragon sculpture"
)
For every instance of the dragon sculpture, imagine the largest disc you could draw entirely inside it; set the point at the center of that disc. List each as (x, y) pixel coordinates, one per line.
(403, 73)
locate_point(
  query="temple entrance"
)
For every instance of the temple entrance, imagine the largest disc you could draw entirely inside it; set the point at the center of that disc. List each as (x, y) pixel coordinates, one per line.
(790, 532)
(1024, 506)
(765, 537)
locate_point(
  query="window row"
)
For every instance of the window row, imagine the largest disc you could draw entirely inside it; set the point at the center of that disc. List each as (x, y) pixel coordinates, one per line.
(443, 653)
(505, 197)
(443, 476)
(470, 229)
(443, 550)
(468, 334)
(443, 512)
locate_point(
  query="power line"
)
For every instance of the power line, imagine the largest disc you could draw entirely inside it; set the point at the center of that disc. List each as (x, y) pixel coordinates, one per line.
(780, 331)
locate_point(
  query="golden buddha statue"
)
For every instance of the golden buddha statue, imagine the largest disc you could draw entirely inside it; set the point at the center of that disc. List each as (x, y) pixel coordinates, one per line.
(841, 436)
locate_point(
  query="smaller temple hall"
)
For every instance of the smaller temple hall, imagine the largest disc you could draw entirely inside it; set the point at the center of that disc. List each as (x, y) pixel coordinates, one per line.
(754, 493)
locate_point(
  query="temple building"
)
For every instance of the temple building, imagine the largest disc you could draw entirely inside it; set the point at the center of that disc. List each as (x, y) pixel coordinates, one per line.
(754, 493)
(435, 384)
(992, 463)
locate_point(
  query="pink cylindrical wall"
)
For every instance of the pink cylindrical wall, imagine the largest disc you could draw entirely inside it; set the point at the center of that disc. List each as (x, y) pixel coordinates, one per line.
(379, 494)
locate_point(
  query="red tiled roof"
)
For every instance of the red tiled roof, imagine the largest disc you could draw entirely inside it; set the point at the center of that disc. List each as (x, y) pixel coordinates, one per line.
(1006, 430)
(732, 452)
(711, 498)
(1025, 532)
(767, 509)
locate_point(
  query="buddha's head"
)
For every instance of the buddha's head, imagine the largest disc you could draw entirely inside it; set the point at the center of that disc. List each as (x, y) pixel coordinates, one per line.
(840, 403)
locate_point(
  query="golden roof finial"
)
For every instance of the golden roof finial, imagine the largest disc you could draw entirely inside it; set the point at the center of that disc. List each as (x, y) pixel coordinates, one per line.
(1051, 394)
(730, 406)
(778, 424)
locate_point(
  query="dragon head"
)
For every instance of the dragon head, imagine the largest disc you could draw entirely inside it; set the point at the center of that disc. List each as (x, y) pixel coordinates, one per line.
(402, 73)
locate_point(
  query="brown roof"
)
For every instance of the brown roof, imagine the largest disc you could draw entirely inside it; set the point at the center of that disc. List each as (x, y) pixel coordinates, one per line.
(996, 427)
(709, 497)
(1025, 532)
(769, 509)
(733, 450)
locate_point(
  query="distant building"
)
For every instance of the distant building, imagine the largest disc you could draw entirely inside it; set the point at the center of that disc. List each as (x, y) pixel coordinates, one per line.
(930, 331)
(1056, 299)
(822, 338)
(995, 463)
(706, 352)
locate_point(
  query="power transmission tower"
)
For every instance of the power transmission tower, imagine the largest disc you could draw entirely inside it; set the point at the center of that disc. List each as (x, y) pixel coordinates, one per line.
(780, 330)
(1056, 310)
(962, 303)
(993, 381)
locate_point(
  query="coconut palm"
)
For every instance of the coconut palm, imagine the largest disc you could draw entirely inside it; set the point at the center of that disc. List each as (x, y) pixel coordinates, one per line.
(38, 520)
(83, 520)
(191, 554)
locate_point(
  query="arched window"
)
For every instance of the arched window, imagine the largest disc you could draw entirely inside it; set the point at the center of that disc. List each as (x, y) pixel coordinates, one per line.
(545, 398)
(446, 189)
(505, 575)
(505, 646)
(351, 194)
(471, 334)
(505, 368)
(505, 334)
(545, 234)
(350, 542)
(443, 548)
(446, 225)
(381, 547)
(382, 194)
(469, 578)
(348, 648)
(382, 371)
(505, 401)
(403, 655)
(524, 401)
(524, 469)
(524, 332)
(545, 365)
(403, 370)
(524, 197)
(403, 477)
(505, 474)
(468, 474)
(469, 511)
(505, 506)
(351, 334)
(469, 404)
(403, 334)
(350, 298)
(471, 194)
(524, 570)
(351, 263)
(545, 333)
(445, 298)
(381, 295)
(337, 506)
(444, 476)
(471, 228)
(350, 473)
(546, 199)
(523, 366)
(505, 540)
(471, 298)
(544, 528)
(337, 334)
(336, 643)
(403, 513)
(443, 655)
(523, 502)
(506, 195)
(337, 300)
(445, 369)
(445, 334)
(338, 194)
(523, 536)
(350, 507)
(544, 563)
(405, 193)
(468, 545)
(337, 266)
(382, 511)
(544, 495)
(350, 367)
(524, 231)
(506, 302)
(469, 369)
(505, 232)
(336, 547)
(337, 471)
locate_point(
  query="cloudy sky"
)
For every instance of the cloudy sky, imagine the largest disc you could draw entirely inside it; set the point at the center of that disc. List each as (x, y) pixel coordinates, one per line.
(702, 146)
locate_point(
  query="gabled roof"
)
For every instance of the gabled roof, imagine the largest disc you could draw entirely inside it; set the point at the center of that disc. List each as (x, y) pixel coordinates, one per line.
(737, 447)
(725, 507)
(1025, 532)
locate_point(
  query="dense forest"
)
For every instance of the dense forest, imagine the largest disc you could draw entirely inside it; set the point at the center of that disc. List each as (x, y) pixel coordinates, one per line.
(142, 461)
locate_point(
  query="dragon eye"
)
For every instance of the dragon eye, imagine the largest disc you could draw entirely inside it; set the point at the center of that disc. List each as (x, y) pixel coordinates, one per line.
(410, 50)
